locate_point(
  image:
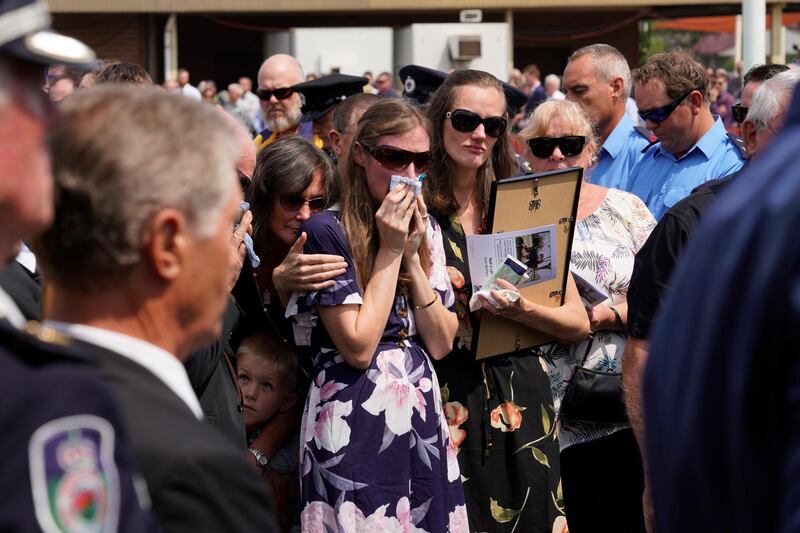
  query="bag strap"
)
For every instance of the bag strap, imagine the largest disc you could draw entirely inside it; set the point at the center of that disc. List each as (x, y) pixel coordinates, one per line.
(588, 348)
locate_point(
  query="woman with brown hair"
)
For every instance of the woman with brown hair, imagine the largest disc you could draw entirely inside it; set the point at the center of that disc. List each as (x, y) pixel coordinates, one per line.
(374, 438)
(499, 410)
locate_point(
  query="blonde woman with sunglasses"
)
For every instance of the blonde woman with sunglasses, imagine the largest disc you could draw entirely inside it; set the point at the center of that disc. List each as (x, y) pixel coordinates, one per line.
(601, 470)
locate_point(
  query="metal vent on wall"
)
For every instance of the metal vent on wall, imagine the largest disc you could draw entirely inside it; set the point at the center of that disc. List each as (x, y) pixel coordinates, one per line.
(465, 47)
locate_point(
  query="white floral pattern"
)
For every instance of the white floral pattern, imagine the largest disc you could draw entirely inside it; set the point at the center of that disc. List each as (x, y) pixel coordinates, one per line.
(374, 441)
(603, 249)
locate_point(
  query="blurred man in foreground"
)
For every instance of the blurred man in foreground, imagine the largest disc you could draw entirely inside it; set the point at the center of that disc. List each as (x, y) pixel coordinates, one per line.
(139, 261)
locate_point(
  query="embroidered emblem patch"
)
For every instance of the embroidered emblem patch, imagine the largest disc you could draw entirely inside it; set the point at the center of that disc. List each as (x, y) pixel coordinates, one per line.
(73, 475)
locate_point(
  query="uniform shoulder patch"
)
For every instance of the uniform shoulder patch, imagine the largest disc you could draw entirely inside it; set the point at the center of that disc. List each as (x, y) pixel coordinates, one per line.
(646, 133)
(47, 334)
(73, 475)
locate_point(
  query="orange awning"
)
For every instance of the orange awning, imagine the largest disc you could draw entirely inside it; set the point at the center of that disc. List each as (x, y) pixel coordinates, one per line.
(719, 24)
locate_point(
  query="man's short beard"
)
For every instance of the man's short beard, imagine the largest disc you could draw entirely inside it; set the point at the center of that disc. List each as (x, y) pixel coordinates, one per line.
(287, 122)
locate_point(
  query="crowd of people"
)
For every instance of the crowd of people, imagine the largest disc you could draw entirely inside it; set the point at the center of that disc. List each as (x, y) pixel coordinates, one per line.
(268, 328)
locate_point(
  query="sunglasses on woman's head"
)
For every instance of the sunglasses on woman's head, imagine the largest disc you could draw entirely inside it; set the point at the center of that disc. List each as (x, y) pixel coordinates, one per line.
(293, 202)
(281, 94)
(397, 159)
(660, 114)
(570, 146)
(739, 112)
(467, 121)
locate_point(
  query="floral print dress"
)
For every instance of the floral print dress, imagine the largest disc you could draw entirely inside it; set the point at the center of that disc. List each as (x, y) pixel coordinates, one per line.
(375, 450)
(502, 422)
(603, 249)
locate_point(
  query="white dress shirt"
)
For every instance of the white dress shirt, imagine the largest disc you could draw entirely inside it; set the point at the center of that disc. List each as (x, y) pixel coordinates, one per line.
(9, 310)
(161, 363)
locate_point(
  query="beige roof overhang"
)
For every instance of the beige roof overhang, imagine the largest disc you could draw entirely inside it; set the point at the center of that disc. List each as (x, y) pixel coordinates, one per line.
(295, 6)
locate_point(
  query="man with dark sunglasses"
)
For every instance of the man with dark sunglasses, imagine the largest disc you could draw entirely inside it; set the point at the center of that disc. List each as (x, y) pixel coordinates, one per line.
(655, 262)
(720, 389)
(599, 79)
(752, 81)
(280, 103)
(672, 93)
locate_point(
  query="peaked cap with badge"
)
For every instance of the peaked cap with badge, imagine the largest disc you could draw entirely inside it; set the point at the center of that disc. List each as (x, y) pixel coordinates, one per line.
(25, 34)
(419, 83)
(323, 94)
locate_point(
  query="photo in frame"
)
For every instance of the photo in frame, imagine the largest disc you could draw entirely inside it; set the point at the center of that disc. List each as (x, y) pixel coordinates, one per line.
(540, 210)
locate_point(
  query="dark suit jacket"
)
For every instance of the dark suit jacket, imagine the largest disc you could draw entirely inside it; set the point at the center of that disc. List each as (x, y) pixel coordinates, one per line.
(198, 480)
(23, 287)
(214, 383)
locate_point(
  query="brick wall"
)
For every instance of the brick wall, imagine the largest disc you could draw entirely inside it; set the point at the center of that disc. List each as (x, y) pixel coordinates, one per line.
(118, 36)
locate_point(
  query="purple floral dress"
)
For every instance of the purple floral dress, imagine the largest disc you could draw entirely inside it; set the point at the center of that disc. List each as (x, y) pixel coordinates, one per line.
(375, 447)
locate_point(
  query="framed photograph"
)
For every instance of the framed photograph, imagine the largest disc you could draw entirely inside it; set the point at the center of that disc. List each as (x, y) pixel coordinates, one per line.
(531, 217)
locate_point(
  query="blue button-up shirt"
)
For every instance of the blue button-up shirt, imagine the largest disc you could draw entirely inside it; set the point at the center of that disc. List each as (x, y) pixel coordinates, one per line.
(661, 180)
(619, 153)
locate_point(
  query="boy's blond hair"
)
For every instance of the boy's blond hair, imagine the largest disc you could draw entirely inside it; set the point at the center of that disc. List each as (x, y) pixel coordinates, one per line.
(267, 346)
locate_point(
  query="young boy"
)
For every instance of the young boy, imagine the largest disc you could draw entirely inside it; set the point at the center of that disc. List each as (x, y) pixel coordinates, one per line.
(268, 375)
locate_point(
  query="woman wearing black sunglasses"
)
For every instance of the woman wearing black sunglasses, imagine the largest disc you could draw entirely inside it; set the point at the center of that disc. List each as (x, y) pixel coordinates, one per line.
(375, 447)
(495, 407)
(292, 180)
(600, 466)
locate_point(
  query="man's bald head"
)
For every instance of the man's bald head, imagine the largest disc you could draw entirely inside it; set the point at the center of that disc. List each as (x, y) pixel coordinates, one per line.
(280, 71)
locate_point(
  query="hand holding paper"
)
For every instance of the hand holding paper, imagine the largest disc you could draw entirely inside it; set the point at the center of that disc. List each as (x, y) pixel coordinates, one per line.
(512, 271)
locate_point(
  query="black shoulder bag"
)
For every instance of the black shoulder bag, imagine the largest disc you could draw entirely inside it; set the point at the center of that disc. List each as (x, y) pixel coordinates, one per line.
(594, 396)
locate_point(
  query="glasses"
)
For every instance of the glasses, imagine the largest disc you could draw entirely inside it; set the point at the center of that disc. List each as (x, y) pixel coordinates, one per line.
(397, 159)
(293, 202)
(570, 145)
(660, 114)
(467, 121)
(280, 94)
(739, 112)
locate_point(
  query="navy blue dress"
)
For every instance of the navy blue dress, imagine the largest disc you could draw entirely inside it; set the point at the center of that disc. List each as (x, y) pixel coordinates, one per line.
(375, 447)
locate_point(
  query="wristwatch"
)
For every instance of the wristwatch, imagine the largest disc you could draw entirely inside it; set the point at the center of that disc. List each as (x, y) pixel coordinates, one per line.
(261, 460)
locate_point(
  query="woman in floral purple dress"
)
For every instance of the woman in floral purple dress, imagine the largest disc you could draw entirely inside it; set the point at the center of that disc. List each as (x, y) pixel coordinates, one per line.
(375, 444)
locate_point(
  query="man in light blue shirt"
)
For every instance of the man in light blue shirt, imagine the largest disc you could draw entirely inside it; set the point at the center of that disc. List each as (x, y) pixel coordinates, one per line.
(672, 93)
(599, 79)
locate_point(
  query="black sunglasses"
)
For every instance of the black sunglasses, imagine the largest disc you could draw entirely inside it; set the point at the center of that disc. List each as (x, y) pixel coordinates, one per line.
(467, 121)
(397, 159)
(570, 146)
(281, 94)
(739, 112)
(293, 202)
(660, 114)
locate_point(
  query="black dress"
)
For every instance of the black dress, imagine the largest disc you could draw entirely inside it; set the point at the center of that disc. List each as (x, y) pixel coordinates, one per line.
(501, 419)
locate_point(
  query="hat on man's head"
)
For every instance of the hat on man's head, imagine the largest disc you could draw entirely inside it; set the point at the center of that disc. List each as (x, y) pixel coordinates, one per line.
(419, 83)
(25, 34)
(322, 94)
(515, 98)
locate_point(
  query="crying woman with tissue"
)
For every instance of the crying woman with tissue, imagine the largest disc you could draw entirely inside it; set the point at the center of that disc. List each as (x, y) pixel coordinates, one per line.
(375, 445)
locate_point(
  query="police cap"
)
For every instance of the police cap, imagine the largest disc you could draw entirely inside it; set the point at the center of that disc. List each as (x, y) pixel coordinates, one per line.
(419, 83)
(322, 94)
(25, 34)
